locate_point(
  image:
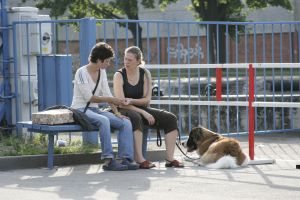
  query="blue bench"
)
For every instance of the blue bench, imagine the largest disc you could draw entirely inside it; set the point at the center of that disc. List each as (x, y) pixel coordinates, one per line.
(52, 130)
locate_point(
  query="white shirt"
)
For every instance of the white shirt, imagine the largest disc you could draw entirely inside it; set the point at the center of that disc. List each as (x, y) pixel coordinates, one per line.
(84, 85)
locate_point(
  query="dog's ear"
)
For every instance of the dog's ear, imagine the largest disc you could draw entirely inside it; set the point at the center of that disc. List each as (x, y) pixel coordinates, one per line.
(197, 133)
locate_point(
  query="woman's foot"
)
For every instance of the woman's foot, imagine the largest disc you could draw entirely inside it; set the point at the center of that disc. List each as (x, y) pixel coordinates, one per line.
(146, 165)
(174, 163)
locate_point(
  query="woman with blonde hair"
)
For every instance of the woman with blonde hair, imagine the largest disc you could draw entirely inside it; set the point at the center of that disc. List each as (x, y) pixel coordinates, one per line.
(134, 83)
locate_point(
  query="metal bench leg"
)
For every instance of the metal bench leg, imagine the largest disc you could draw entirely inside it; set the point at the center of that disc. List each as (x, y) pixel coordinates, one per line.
(50, 150)
(145, 140)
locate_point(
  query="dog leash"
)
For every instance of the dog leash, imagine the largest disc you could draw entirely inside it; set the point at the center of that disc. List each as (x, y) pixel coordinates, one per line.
(158, 143)
(185, 153)
(178, 146)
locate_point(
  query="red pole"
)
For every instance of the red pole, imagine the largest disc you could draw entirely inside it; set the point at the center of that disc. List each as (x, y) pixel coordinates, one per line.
(219, 84)
(251, 119)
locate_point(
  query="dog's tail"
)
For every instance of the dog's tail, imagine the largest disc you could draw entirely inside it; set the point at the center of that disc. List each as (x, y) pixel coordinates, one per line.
(226, 162)
(246, 161)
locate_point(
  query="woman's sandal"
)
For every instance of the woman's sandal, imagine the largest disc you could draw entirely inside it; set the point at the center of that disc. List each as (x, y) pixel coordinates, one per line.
(146, 165)
(174, 163)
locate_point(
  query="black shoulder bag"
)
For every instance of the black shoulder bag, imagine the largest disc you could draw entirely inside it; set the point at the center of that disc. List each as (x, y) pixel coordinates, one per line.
(88, 103)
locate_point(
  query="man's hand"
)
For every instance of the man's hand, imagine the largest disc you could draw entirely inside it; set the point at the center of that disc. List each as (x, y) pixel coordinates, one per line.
(117, 101)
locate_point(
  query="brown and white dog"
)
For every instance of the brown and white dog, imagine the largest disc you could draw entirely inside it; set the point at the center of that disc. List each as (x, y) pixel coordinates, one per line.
(215, 151)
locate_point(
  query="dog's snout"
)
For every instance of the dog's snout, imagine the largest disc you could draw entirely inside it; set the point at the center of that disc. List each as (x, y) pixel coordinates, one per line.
(184, 144)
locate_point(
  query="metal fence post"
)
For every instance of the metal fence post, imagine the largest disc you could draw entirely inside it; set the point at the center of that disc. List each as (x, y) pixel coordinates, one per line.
(87, 39)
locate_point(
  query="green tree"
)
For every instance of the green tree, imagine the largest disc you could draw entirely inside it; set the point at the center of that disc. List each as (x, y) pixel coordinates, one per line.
(117, 9)
(227, 10)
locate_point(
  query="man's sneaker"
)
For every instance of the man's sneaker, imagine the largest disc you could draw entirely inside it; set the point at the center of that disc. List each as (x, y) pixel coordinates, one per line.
(131, 165)
(114, 166)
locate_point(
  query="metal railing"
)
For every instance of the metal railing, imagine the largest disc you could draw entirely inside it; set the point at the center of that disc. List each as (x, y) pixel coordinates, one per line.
(180, 48)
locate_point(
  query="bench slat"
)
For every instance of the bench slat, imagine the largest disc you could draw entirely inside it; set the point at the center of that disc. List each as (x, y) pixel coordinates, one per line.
(50, 128)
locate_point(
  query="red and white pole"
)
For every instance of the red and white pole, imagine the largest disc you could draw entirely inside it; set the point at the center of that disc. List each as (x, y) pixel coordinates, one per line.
(219, 84)
(251, 113)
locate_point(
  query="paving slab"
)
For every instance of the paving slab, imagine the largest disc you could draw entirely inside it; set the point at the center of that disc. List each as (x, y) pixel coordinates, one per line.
(280, 180)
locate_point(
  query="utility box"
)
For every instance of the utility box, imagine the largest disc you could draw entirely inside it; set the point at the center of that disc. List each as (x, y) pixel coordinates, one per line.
(30, 35)
(33, 38)
(54, 80)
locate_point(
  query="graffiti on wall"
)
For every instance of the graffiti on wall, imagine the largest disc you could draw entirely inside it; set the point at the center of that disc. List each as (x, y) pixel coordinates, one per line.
(186, 54)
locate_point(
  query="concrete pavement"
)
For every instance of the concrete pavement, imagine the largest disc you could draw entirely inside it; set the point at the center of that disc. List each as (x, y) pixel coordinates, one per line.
(280, 180)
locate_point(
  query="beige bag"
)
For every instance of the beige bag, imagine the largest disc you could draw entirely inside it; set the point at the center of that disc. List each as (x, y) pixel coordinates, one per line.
(51, 117)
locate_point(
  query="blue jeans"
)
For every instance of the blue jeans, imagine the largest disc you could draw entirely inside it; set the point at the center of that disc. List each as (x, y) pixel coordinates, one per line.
(107, 120)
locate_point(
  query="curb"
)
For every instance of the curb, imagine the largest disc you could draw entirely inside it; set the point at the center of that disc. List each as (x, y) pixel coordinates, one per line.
(40, 161)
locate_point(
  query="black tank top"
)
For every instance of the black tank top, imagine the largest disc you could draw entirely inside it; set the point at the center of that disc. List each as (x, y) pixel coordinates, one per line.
(133, 91)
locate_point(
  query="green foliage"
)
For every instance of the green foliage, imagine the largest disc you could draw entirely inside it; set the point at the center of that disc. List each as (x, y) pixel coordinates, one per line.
(13, 146)
(116, 9)
(256, 4)
(205, 10)
(76, 147)
(58, 7)
(16, 146)
(151, 4)
(231, 10)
